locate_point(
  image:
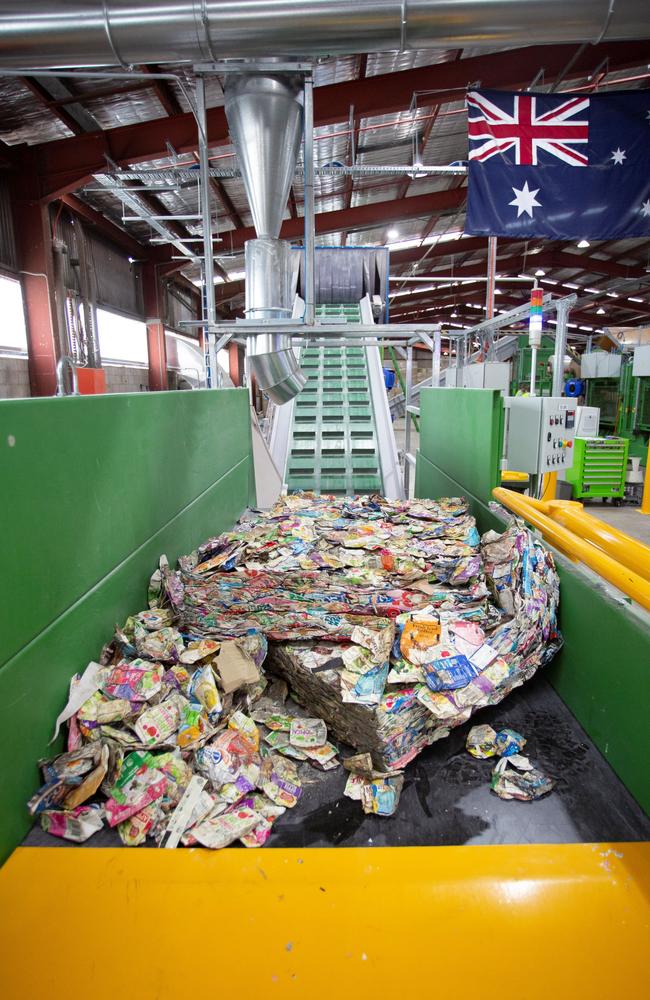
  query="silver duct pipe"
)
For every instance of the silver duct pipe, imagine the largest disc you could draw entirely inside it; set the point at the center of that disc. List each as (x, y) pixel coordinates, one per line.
(105, 32)
(265, 120)
(269, 297)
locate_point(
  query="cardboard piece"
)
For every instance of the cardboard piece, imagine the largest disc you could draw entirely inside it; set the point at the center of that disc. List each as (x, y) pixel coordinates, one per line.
(235, 667)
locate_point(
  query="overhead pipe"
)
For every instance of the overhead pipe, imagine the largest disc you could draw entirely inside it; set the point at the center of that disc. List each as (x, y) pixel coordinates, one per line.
(123, 32)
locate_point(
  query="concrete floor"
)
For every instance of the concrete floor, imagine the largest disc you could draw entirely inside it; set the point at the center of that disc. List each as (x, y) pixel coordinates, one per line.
(627, 519)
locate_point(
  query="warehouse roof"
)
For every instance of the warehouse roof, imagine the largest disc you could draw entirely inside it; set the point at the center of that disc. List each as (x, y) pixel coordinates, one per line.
(388, 108)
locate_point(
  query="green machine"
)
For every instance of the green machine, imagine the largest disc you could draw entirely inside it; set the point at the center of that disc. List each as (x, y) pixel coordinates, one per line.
(599, 467)
(543, 375)
(619, 386)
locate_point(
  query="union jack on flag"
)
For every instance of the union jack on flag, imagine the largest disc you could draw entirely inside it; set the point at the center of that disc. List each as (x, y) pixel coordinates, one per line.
(523, 149)
(563, 131)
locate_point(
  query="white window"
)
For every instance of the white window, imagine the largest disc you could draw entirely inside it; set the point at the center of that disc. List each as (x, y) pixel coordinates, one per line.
(13, 333)
(121, 339)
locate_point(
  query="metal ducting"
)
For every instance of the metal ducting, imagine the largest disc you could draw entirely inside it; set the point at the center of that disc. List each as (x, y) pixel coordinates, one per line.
(106, 32)
(269, 297)
(265, 120)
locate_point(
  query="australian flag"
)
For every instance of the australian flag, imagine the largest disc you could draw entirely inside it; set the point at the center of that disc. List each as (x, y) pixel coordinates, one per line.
(562, 166)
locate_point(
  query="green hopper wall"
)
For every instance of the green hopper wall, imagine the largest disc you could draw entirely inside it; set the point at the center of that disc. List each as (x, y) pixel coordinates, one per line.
(603, 670)
(92, 490)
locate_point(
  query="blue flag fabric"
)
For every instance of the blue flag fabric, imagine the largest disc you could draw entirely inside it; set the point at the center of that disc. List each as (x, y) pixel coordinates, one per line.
(561, 166)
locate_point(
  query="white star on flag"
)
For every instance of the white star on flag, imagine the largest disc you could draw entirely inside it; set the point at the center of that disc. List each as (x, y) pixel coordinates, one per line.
(645, 208)
(618, 155)
(524, 200)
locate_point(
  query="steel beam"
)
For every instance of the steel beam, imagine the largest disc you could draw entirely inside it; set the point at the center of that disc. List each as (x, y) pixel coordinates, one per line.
(156, 346)
(67, 164)
(34, 245)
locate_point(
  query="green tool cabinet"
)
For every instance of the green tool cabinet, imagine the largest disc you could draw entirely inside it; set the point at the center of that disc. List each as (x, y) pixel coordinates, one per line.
(599, 467)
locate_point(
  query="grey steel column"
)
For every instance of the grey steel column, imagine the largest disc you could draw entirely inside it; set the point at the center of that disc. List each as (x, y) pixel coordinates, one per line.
(491, 276)
(209, 306)
(310, 218)
(435, 368)
(409, 417)
(562, 312)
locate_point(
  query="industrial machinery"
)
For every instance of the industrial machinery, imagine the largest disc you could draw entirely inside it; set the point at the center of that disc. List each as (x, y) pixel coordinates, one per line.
(522, 363)
(619, 386)
(540, 432)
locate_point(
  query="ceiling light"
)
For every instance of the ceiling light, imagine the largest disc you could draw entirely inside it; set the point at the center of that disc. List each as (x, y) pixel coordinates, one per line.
(600, 312)
(454, 315)
(632, 299)
(392, 234)
(583, 244)
(539, 273)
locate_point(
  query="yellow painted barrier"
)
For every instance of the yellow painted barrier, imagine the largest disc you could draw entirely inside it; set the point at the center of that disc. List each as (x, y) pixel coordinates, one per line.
(625, 549)
(616, 573)
(323, 923)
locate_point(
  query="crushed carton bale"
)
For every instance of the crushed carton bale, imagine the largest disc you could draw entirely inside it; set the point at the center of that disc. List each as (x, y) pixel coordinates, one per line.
(389, 623)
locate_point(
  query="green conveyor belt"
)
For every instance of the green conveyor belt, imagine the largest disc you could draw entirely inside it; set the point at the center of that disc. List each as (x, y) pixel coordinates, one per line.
(333, 443)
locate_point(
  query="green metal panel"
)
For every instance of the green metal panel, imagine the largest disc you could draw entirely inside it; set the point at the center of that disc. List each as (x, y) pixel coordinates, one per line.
(462, 433)
(599, 467)
(602, 671)
(143, 474)
(523, 363)
(85, 479)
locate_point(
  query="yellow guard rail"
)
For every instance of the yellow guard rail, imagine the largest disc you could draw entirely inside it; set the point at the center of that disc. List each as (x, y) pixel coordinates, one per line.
(577, 547)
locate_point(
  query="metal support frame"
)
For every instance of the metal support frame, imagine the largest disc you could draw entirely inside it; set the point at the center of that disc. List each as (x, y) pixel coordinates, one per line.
(408, 418)
(562, 311)
(310, 210)
(209, 303)
(491, 275)
(435, 365)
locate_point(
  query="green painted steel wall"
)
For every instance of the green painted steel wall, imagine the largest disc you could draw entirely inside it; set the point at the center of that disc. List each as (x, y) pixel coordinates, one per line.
(462, 432)
(603, 670)
(92, 490)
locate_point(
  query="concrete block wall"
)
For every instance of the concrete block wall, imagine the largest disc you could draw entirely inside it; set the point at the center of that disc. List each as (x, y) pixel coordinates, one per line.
(14, 378)
(124, 378)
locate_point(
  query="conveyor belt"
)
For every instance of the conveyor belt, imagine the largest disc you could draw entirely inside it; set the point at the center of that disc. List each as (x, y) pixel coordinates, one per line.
(333, 446)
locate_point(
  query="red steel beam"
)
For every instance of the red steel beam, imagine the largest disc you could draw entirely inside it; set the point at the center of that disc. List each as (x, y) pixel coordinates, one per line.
(156, 346)
(67, 164)
(34, 246)
(44, 98)
(368, 216)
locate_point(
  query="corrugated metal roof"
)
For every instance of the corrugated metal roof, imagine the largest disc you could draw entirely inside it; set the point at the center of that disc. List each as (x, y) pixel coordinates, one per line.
(389, 139)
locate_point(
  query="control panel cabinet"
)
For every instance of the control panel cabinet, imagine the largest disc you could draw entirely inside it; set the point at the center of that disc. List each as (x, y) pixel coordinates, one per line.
(541, 432)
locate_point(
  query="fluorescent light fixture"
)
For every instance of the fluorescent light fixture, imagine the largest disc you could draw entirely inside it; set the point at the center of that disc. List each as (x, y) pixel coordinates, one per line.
(583, 244)
(632, 299)
(570, 284)
(392, 234)
(587, 328)
(612, 295)
(539, 273)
